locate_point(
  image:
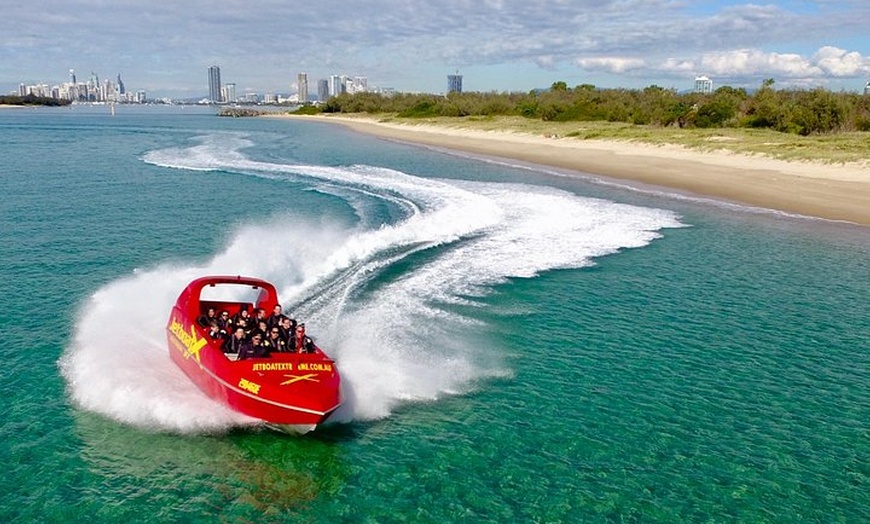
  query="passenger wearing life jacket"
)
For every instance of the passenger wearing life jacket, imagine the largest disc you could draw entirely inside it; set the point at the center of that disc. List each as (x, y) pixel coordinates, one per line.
(215, 331)
(254, 347)
(205, 320)
(259, 316)
(243, 319)
(274, 342)
(224, 321)
(234, 343)
(287, 329)
(276, 317)
(303, 344)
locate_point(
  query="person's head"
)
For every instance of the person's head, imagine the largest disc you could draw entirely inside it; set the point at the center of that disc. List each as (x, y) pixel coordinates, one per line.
(285, 323)
(244, 313)
(239, 333)
(300, 330)
(263, 326)
(256, 338)
(277, 309)
(213, 324)
(274, 333)
(225, 314)
(210, 312)
(261, 313)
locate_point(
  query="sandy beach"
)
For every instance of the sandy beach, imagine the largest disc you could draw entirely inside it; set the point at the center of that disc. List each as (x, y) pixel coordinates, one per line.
(836, 192)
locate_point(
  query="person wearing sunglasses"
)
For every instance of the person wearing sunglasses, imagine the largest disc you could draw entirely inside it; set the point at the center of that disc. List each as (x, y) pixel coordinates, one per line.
(254, 347)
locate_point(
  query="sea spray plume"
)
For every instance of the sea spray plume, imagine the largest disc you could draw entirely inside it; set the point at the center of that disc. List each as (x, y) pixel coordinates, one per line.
(393, 339)
(117, 363)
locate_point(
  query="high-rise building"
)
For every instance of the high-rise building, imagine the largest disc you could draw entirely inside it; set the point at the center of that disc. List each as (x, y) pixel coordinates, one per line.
(867, 89)
(214, 84)
(454, 83)
(360, 84)
(323, 90)
(703, 85)
(121, 89)
(336, 87)
(302, 87)
(229, 92)
(72, 76)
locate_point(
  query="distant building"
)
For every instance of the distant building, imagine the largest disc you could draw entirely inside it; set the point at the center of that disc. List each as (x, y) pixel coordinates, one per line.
(360, 84)
(703, 85)
(214, 84)
(121, 89)
(302, 87)
(323, 90)
(336, 86)
(229, 92)
(867, 89)
(454, 83)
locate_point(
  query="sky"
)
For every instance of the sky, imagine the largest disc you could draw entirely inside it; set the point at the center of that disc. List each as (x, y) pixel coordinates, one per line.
(166, 47)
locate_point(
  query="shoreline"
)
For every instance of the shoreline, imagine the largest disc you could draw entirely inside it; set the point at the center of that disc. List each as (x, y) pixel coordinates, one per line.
(833, 192)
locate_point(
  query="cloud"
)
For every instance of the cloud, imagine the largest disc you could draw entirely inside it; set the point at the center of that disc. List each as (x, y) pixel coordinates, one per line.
(265, 42)
(741, 63)
(611, 64)
(840, 63)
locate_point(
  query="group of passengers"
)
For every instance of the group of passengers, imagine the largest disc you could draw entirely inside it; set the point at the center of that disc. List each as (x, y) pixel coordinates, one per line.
(257, 335)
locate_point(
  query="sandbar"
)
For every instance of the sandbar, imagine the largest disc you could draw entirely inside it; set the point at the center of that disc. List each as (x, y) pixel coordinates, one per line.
(834, 192)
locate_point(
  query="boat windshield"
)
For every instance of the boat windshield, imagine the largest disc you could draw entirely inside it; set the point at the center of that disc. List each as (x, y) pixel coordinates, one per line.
(230, 293)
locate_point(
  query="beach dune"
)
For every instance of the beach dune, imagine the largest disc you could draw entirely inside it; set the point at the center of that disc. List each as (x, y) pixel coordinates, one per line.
(835, 192)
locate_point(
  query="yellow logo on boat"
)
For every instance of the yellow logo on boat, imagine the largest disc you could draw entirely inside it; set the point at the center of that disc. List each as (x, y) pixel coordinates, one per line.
(249, 386)
(298, 378)
(272, 366)
(189, 340)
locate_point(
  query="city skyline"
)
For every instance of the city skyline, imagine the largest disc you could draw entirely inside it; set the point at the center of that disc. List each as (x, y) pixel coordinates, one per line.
(497, 45)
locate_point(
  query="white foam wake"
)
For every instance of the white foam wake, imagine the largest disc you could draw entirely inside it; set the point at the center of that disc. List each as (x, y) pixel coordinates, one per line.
(393, 338)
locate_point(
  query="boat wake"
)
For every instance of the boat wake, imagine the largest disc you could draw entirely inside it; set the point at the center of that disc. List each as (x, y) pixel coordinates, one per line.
(383, 297)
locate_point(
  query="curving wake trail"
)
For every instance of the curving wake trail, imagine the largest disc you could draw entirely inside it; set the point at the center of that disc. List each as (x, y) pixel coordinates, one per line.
(395, 339)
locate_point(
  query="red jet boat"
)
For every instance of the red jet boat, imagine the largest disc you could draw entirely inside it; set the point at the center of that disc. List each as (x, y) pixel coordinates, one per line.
(291, 392)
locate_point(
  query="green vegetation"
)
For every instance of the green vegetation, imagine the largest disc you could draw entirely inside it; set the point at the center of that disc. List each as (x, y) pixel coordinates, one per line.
(31, 100)
(799, 112)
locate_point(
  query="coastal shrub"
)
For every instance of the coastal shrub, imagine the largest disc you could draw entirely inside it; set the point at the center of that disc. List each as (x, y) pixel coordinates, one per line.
(801, 112)
(715, 112)
(424, 108)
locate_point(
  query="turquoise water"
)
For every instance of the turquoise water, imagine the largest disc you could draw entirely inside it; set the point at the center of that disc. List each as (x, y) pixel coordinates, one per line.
(516, 345)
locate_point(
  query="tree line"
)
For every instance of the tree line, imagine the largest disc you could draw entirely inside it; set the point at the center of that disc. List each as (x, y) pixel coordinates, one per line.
(803, 112)
(31, 100)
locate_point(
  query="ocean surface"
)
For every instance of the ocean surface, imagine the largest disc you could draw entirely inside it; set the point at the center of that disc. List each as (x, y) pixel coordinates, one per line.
(517, 344)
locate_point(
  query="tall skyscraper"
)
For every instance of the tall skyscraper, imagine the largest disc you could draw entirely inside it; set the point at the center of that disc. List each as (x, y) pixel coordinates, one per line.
(302, 86)
(336, 86)
(214, 84)
(121, 89)
(323, 90)
(72, 76)
(867, 89)
(454, 83)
